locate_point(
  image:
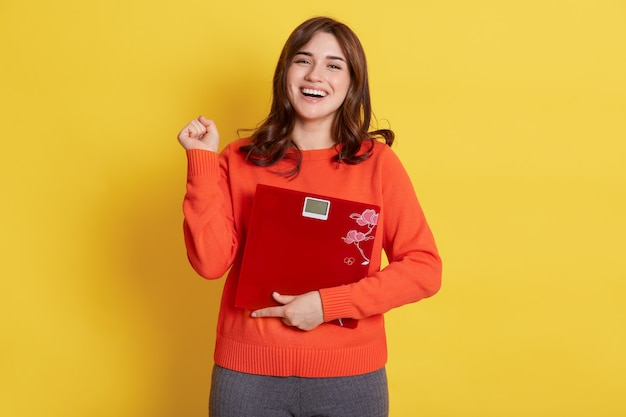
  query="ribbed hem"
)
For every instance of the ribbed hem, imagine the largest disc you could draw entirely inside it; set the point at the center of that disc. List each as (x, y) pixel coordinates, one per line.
(201, 162)
(307, 363)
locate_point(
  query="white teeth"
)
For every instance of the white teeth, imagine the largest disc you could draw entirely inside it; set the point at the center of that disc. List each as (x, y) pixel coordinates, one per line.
(311, 92)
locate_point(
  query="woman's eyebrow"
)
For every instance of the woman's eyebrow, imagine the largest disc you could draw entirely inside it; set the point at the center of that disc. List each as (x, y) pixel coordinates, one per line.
(338, 58)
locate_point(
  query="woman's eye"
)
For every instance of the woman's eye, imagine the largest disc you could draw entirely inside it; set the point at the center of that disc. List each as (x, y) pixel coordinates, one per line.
(333, 66)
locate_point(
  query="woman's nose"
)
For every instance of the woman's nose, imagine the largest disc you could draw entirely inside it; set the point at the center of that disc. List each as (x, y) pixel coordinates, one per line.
(313, 74)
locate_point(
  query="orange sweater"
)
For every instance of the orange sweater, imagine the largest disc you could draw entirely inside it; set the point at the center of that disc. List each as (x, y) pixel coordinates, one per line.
(220, 190)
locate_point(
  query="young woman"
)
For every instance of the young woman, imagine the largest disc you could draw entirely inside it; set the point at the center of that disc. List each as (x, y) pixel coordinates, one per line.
(290, 360)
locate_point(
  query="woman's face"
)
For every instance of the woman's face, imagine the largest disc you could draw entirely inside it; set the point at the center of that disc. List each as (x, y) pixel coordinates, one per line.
(318, 79)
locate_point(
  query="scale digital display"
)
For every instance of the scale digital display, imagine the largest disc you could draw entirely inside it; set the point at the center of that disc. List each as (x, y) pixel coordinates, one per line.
(316, 208)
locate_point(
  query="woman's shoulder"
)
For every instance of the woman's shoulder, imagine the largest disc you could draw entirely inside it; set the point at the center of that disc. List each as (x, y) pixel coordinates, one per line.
(378, 144)
(232, 148)
(379, 149)
(384, 158)
(238, 143)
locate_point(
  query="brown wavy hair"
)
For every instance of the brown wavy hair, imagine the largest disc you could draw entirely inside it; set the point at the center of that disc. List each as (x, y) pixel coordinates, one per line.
(272, 141)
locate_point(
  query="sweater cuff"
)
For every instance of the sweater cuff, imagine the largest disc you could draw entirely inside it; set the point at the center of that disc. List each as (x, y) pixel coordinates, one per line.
(201, 162)
(336, 303)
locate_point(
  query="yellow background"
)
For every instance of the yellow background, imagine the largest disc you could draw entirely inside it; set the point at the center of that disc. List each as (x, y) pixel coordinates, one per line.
(510, 118)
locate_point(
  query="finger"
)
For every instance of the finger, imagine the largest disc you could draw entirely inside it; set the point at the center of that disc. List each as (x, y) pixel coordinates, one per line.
(210, 126)
(283, 299)
(188, 132)
(269, 312)
(197, 128)
(206, 122)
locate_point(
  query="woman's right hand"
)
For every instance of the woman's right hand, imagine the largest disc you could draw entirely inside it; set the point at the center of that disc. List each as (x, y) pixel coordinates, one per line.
(200, 133)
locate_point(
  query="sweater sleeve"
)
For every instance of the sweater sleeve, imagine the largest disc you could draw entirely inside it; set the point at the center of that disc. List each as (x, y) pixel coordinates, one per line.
(414, 269)
(210, 236)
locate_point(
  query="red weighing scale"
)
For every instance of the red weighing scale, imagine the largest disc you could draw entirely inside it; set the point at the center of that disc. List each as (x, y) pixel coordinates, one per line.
(299, 242)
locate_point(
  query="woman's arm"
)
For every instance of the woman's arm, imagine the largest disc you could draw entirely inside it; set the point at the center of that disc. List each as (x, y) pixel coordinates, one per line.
(414, 270)
(210, 236)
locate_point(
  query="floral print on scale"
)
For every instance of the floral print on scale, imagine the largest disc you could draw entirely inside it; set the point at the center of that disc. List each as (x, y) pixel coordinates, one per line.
(368, 220)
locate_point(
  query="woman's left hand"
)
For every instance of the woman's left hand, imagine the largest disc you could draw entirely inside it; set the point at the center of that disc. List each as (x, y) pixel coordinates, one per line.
(304, 311)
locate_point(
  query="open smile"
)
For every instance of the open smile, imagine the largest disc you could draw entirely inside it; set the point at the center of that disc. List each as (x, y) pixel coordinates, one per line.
(309, 92)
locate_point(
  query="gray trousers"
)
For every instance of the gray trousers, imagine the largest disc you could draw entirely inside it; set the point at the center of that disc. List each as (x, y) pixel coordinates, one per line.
(236, 394)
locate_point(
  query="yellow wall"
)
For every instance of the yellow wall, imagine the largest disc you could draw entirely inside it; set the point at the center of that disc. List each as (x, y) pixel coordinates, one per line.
(510, 117)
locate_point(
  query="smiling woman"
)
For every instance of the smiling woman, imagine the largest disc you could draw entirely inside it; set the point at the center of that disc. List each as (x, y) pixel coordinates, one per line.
(317, 83)
(293, 355)
(338, 52)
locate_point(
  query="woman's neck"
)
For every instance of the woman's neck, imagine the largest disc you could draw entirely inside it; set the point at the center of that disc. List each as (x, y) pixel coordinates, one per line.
(312, 136)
